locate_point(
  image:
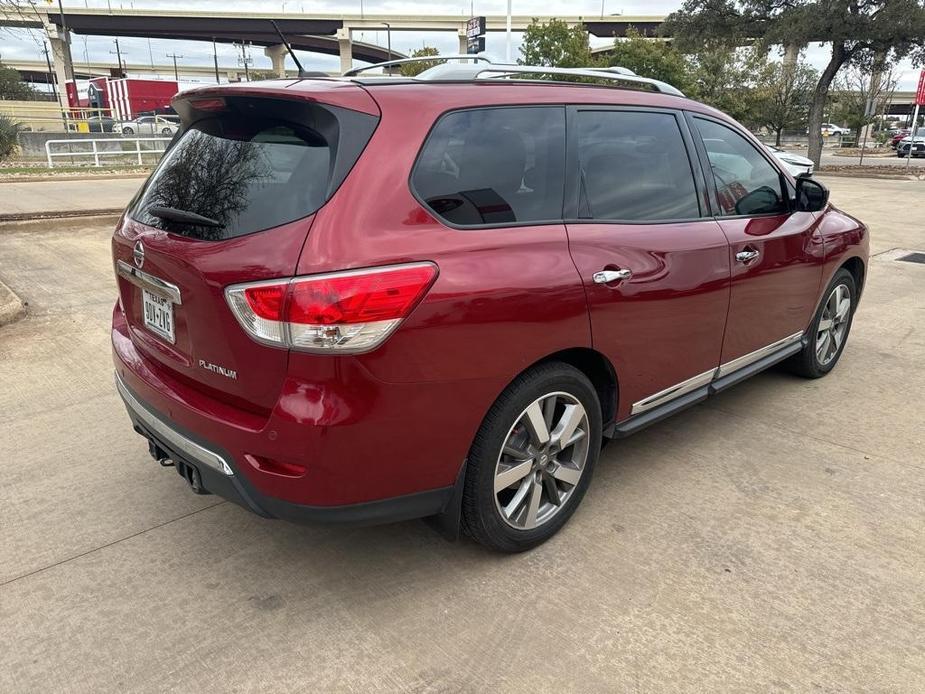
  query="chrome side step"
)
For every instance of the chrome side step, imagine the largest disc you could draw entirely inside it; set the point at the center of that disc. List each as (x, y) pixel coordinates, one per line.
(669, 401)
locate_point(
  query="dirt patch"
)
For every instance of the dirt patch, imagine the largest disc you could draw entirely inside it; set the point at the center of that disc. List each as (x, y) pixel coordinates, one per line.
(872, 171)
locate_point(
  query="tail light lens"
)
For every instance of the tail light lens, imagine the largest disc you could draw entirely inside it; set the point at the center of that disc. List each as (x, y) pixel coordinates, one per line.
(341, 312)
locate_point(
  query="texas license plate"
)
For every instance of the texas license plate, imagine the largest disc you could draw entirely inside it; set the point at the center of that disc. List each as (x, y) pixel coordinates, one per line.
(158, 314)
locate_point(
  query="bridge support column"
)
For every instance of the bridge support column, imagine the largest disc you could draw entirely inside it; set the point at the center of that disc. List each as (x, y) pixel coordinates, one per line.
(61, 62)
(277, 54)
(345, 44)
(463, 42)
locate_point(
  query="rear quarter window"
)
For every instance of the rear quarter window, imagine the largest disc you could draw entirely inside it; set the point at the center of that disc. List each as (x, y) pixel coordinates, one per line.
(494, 166)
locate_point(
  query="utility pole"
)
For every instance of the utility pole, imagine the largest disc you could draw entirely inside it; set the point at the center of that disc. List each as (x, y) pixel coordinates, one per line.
(176, 75)
(51, 74)
(215, 59)
(118, 53)
(244, 60)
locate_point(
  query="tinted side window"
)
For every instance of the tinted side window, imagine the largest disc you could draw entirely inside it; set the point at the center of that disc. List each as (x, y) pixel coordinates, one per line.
(634, 167)
(746, 184)
(494, 166)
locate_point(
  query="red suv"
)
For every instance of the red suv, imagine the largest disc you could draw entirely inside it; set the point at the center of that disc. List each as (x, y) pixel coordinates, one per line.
(375, 299)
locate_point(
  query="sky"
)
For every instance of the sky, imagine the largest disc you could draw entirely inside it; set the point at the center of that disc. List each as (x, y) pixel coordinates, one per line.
(26, 45)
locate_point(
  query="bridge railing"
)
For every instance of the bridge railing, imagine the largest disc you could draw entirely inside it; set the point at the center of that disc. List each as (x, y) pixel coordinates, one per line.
(126, 148)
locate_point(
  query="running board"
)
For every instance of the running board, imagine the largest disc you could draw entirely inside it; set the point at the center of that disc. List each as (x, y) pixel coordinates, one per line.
(720, 382)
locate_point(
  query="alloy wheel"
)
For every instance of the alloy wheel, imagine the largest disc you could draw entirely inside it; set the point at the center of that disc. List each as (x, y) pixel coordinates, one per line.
(541, 461)
(833, 324)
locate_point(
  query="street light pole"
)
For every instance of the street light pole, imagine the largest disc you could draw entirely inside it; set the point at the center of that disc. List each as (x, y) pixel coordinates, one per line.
(388, 34)
(215, 59)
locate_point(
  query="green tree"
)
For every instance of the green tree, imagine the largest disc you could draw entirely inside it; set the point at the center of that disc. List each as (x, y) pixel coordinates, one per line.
(856, 32)
(784, 94)
(652, 58)
(412, 69)
(555, 44)
(12, 87)
(724, 78)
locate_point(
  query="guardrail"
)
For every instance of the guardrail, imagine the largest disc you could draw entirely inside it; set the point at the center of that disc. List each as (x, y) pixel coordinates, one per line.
(114, 149)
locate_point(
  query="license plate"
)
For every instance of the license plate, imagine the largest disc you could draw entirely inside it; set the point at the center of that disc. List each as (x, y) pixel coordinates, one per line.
(158, 313)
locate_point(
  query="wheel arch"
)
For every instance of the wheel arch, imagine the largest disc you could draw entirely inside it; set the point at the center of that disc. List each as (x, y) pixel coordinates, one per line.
(599, 371)
(856, 267)
(595, 366)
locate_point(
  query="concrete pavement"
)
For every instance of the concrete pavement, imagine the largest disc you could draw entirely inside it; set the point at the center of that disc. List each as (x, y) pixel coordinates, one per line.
(768, 540)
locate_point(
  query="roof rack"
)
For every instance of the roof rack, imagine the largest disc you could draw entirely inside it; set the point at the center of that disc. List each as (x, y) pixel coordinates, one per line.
(467, 71)
(422, 59)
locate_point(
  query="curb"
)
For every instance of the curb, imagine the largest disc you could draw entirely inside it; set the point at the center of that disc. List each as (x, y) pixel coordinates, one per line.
(61, 214)
(60, 223)
(882, 176)
(67, 177)
(11, 306)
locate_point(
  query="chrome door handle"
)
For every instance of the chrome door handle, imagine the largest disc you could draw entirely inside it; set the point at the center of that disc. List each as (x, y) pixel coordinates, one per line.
(745, 256)
(608, 276)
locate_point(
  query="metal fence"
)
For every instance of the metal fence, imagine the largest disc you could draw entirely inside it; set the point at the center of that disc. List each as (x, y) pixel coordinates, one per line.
(129, 149)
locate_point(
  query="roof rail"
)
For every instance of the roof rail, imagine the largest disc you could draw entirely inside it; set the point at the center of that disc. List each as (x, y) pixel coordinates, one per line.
(465, 72)
(422, 59)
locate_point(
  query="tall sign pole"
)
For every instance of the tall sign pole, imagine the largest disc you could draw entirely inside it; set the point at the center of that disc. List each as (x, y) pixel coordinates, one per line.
(919, 101)
(507, 51)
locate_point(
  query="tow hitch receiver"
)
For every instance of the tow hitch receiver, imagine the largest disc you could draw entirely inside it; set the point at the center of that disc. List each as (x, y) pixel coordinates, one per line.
(185, 470)
(159, 454)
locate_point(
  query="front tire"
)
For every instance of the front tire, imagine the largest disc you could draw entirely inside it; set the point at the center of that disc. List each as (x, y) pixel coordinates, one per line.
(829, 331)
(532, 459)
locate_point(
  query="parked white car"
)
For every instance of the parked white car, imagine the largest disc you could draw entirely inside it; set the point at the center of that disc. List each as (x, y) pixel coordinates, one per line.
(794, 163)
(148, 125)
(832, 129)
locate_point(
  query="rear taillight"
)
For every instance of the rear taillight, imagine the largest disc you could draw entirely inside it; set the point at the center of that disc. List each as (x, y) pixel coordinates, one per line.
(343, 312)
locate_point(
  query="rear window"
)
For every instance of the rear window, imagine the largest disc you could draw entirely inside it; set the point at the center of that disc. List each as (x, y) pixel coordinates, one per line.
(243, 170)
(494, 166)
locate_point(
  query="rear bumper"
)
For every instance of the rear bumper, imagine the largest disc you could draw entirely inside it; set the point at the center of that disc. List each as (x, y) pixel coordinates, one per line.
(219, 476)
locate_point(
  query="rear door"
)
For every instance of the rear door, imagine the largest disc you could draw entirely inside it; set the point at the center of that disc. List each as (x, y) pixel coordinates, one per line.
(231, 201)
(775, 254)
(654, 263)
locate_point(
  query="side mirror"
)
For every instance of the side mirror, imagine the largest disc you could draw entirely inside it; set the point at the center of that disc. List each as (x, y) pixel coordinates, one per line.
(812, 196)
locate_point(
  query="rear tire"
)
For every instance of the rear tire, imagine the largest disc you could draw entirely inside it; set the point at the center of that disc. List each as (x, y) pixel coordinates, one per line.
(829, 331)
(546, 479)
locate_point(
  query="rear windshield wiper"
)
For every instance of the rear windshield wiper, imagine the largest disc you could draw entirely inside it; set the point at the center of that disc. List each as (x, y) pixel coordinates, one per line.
(175, 215)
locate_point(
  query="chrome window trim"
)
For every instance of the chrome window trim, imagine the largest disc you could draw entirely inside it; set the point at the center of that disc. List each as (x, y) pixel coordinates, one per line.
(684, 387)
(672, 392)
(752, 357)
(170, 435)
(153, 284)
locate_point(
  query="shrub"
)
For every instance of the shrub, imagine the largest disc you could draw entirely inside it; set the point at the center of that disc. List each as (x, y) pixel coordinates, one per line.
(9, 129)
